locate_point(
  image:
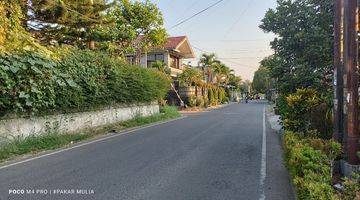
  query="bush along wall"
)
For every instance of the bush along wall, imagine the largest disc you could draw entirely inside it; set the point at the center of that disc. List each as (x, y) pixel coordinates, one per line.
(77, 80)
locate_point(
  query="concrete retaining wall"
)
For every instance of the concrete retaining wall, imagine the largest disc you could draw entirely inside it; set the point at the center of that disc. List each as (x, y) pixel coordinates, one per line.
(64, 123)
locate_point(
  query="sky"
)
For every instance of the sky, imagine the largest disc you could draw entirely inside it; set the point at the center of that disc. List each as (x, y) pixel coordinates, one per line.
(230, 30)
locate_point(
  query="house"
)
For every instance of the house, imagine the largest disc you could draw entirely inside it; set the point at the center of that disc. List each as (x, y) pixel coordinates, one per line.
(172, 53)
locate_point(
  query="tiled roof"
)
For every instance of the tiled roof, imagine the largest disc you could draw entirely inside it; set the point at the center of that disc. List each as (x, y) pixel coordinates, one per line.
(173, 42)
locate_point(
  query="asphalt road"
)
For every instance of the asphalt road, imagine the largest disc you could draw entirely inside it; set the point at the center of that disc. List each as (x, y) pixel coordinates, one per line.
(211, 155)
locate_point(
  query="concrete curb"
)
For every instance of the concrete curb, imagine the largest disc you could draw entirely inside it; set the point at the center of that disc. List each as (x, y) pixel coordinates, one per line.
(280, 133)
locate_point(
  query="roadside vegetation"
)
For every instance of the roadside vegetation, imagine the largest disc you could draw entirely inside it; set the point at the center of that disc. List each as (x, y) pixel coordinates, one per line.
(213, 80)
(79, 80)
(301, 71)
(310, 152)
(69, 56)
(36, 143)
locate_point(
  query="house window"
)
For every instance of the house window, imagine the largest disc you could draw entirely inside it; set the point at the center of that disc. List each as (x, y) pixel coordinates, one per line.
(152, 58)
(174, 62)
(130, 59)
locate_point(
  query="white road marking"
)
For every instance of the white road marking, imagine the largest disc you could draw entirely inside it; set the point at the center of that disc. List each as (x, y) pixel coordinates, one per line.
(263, 160)
(91, 142)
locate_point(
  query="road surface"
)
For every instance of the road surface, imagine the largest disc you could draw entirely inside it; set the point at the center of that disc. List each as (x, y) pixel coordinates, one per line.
(211, 155)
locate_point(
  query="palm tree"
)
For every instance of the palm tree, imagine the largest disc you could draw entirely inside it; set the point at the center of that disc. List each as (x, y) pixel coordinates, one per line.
(208, 62)
(222, 73)
(190, 77)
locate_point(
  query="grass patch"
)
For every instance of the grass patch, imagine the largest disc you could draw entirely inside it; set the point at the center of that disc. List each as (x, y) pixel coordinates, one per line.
(50, 141)
(167, 112)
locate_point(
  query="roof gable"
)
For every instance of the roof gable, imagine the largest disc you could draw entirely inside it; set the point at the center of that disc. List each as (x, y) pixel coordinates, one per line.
(180, 44)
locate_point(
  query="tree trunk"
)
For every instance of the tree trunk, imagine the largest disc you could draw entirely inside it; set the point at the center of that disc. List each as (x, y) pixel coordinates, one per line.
(91, 44)
(138, 57)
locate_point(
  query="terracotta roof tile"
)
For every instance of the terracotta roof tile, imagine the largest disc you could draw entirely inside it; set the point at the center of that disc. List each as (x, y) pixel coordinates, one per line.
(173, 42)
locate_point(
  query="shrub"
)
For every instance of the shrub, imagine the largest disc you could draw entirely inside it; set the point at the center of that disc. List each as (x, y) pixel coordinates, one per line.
(351, 188)
(309, 162)
(206, 101)
(312, 187)
(136, 84)
(192, 101)
(216, 97)
(200, 101)
(77, 80)
(300, 105)
(211, 96)
(170, 111)
(222, 95)
(27, 83)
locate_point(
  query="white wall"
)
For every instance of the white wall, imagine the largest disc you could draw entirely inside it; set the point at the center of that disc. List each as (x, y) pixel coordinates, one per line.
(143, 60)
(64, 123)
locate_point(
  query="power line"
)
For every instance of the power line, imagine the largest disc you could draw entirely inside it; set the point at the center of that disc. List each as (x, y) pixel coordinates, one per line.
(224, 41)
(196, 14)
(227, 59)
(238, 58)
(239, 18)
(187, 9)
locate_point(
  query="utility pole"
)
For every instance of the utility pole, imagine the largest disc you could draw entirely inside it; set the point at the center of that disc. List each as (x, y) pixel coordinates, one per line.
(351, 82)
(346, 108)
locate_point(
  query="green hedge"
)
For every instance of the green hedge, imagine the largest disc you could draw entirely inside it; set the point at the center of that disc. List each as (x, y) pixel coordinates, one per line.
(77, 80)
(309, 162)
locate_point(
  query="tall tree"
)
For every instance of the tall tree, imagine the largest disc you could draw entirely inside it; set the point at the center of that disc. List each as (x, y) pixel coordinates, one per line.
(222, 73)
(303, 44)
(13, 34)
(235, 81)
(208, 62)
(261, 80)
(68, 21)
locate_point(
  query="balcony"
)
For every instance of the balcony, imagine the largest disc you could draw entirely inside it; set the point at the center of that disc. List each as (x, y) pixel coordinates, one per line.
(175, 72)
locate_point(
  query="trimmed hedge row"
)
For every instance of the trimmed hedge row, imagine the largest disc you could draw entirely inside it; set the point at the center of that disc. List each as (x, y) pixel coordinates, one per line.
(77, 80)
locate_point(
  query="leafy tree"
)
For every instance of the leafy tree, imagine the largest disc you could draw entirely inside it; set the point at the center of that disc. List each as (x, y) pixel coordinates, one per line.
(303, 44)
(245, 87)
(234, 81)
(261, 80)
(137, 27)
(13, 36)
